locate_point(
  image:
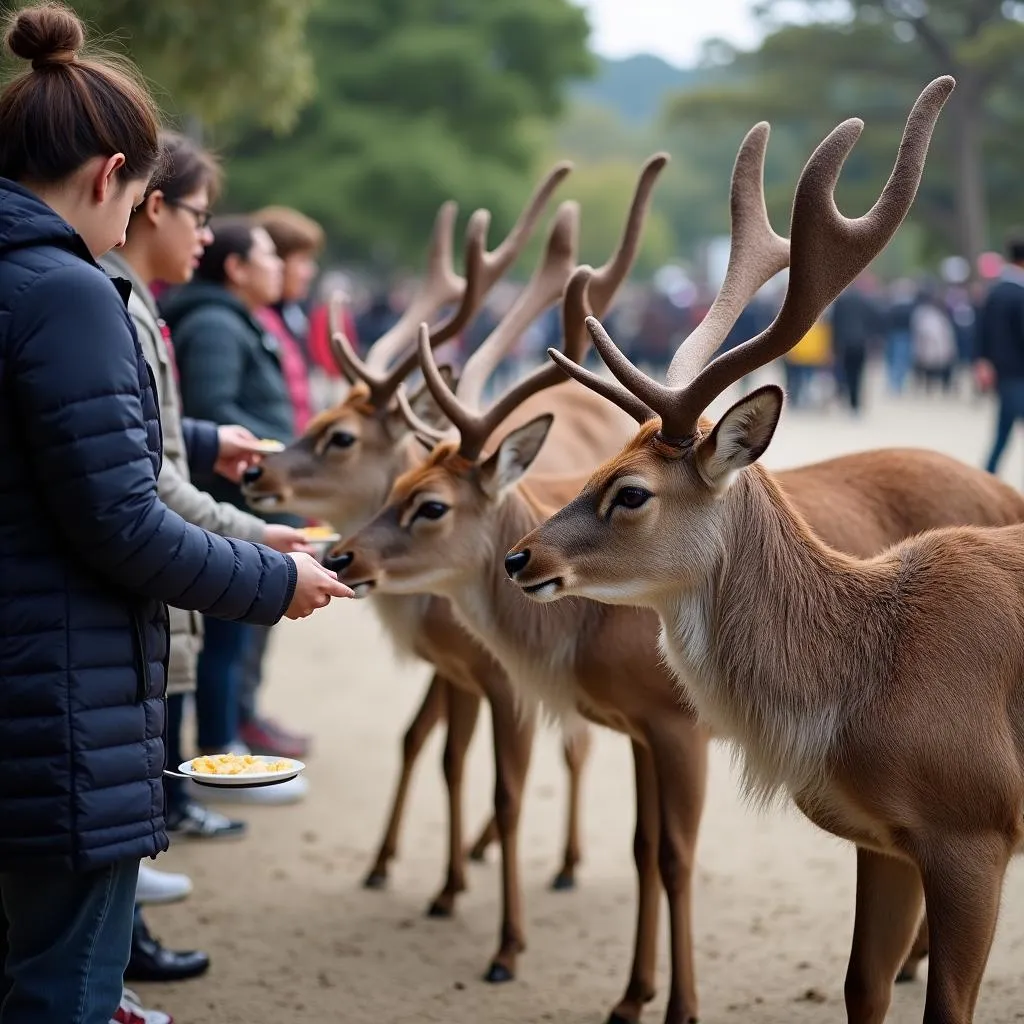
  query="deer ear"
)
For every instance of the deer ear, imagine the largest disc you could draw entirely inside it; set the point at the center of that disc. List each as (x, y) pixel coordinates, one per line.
(515, 455)
(740, 437)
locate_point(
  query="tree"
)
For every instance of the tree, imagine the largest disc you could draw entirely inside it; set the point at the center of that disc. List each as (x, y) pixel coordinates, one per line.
(871, 57)
(215, 60)
(419, 101)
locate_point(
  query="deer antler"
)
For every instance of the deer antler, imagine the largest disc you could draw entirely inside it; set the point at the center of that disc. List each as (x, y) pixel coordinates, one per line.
(441, 286)
(474, 427)
(543, 289)
(828, 251)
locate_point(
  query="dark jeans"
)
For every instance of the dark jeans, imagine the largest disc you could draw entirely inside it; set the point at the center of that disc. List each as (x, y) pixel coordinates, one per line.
(252, 672)
(898, 359)
(851, 376)
(1011, 409)
(65, 938)
(219, 682)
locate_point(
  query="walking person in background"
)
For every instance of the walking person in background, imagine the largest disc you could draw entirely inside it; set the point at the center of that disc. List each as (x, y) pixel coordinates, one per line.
(1000, 353)
(90, 554)
(231, 371)
(934, 342)
(856, 324)
(899, 354)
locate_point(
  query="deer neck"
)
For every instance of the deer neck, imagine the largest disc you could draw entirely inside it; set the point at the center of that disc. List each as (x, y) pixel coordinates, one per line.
(535, 644)
(772, 644)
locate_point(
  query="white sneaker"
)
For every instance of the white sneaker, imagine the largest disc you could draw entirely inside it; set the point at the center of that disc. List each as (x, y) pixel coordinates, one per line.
(131, 1011)
(290, 792)
(156, 886)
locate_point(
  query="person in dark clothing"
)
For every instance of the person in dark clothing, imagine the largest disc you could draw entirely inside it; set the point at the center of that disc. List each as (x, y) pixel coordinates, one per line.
(855, 325)
(1000, 349)
(89, 555)
(231, 372)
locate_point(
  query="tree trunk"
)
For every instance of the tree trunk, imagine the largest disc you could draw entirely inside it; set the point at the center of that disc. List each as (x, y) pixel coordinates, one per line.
(966, 114)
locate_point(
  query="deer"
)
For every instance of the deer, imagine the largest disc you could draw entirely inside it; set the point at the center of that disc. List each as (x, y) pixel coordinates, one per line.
(341, 469)
(870, 688)
(864, 503)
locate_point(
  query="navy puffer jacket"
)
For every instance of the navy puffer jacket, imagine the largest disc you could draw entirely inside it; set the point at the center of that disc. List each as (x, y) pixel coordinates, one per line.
(88, 557)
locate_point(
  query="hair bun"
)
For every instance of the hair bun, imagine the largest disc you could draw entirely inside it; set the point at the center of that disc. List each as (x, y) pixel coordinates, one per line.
(48, 33)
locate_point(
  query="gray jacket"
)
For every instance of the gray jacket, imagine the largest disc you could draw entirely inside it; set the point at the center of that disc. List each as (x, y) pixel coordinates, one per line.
(174, 484)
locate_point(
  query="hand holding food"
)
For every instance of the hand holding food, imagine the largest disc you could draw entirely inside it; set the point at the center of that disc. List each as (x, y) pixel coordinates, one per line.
(314, 588)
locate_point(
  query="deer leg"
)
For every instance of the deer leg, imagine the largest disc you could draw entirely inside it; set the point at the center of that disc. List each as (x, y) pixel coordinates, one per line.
(887, 912)
(640, 989)
(463, 710)
(963, 881)
(576, 750)
(681, 764)
(918, 951)
(488, 835)
(432, 710)
(513, 745)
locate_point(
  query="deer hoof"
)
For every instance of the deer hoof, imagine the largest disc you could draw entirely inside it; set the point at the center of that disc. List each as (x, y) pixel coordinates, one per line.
(439, 910)
(563, 882)
(498, 974)
(617, 1018)
(906, 974)
(376, 879)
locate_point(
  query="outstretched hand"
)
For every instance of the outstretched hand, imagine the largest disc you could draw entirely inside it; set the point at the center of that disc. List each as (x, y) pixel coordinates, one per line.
(314, 587)
(239, 449)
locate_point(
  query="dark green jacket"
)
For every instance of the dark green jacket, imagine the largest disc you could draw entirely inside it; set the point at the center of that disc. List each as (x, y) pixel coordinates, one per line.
(229, 368)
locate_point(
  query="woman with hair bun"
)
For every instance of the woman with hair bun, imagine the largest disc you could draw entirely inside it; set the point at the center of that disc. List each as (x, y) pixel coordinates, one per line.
(89, 554)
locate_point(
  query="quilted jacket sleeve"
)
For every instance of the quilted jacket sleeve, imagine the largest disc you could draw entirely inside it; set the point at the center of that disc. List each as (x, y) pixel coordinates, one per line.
(77, 372)
(201, 445)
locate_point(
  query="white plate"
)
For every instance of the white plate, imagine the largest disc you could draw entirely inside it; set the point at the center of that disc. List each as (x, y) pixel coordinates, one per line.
(327, 538)
(244, 779)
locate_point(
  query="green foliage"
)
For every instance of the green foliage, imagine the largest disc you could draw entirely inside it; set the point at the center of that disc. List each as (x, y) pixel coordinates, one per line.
(418, 101)
(870, 58)
(215, 60)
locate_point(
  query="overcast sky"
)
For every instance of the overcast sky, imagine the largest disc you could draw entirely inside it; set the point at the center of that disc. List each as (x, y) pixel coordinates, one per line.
(672, 29)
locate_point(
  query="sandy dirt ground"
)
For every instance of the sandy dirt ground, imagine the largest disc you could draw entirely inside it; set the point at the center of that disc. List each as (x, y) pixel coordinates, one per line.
(293, 936)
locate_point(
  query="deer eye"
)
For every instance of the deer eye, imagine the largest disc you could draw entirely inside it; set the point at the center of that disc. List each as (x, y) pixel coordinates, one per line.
(631, 497)
(341, 439)
(430, 510)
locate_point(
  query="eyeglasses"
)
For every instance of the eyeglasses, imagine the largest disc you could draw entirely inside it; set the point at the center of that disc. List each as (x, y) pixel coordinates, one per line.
(202, 216)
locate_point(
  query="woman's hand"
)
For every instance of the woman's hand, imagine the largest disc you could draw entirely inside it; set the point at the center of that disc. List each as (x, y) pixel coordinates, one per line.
(238, 450)
(314, 587)
(286, 539)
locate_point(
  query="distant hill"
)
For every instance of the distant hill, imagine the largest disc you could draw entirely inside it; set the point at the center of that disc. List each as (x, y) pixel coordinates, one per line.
(635, 87)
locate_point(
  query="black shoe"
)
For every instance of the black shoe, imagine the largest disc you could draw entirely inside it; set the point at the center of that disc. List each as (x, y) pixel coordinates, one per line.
(199, 822)
(152, 962)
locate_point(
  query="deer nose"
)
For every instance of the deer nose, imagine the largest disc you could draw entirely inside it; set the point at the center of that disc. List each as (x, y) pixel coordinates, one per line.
(516, 562)
(339, 563)
(252, 474)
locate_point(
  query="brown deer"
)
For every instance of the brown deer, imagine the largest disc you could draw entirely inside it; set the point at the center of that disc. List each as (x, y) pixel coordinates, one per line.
(874, 690)
(335, 472)
(858, 500)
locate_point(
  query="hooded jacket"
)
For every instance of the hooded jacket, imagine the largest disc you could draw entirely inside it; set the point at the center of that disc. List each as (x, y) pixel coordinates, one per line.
(89, 557)
(230, 368)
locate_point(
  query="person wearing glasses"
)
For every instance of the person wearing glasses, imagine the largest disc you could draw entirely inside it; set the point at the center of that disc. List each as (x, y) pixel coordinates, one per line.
(231, 372)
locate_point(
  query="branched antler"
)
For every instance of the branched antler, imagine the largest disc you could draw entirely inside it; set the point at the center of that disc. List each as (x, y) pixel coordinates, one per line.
(828, 251)
(474, 427)
(440, 287)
